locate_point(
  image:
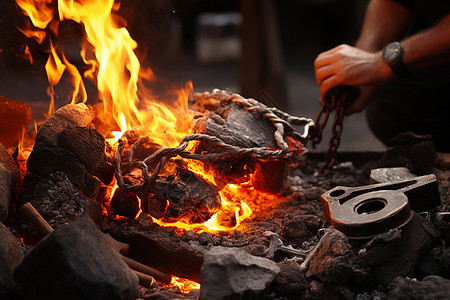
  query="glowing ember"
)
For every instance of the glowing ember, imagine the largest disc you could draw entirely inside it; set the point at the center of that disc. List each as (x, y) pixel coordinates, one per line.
(185, 285)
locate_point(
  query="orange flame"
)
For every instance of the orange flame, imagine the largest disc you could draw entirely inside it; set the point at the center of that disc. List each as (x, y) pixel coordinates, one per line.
(185, 285)
(114, 67)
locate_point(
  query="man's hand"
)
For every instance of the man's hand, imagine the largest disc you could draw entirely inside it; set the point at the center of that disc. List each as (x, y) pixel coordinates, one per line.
(346, 65)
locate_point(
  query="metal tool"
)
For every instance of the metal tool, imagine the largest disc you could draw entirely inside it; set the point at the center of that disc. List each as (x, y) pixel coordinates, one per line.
(276, 244)
(366, 211)
(337, 99)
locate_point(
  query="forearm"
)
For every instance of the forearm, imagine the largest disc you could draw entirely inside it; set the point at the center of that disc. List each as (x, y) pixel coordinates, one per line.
(428, 48)
(385, 21)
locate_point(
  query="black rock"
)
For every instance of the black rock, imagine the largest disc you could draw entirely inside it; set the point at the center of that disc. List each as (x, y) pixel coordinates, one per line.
(232, 273)
(48, 157)
(291, 282)
(75, 262)
(430, 288)
(379, 249)
(10, 256)
(416, 239)
(125, 204)
(88, 145)
(9, 176)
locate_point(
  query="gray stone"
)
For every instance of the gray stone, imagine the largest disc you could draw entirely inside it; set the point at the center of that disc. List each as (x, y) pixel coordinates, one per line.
(430, 288)
(390, 174)
(9, 176)
(10, 256)
(232, 273)
(75, 262)
(334, 260)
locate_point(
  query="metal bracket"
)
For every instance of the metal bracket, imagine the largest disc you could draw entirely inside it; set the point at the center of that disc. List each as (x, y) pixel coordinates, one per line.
(366, 211)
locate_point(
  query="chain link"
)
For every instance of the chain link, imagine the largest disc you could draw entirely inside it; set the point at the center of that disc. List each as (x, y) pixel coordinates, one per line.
(284, 127)
(336, 100)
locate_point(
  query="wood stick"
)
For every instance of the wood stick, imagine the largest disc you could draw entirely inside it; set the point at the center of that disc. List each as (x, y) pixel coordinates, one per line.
(137, 266)
(144, 280)
(31, 214)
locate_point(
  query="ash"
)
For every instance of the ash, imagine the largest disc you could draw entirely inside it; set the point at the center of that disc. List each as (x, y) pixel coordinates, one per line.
(59, 201)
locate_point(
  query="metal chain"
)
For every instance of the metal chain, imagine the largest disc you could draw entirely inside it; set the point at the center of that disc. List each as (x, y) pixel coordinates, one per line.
(282, 122)
(337, 99)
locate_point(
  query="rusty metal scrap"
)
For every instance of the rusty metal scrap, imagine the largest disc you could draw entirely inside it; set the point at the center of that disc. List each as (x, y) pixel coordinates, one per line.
(336, 100)
(363, 212)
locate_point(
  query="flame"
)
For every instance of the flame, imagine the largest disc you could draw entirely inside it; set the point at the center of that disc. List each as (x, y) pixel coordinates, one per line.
(185, 285)
(108, 54)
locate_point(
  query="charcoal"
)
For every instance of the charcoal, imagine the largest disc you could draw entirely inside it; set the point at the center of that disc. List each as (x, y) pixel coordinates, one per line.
(430, 288)
(189, 196)
(380, 249)
(125, 204)
(70, 115)
(300, 228)
(444, 260)
(232, 273)
(45, 160)
(416, 239)
(59, 201)
(291, 282)
(244, 129)
(9, 176)
(88, 145)
(10, 256)
(168, 252)
(270, 176)
(47, 157)
(14, 118)
(334, 260)
(75, 262)
(205, 238)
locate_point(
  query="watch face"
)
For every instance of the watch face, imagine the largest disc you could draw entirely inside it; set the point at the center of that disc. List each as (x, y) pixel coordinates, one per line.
(392, 52)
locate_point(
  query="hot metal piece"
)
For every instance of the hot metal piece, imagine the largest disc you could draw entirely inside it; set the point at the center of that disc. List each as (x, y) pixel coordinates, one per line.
(363, 212)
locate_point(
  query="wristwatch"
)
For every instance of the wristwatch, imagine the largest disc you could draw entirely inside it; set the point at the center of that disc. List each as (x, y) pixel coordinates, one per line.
(393, 56)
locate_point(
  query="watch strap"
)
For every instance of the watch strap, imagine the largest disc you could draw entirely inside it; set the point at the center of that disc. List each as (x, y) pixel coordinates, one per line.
(399, 69)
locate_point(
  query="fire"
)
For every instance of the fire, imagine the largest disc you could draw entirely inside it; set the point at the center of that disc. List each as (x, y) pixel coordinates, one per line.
(185, 285)
(108, 53)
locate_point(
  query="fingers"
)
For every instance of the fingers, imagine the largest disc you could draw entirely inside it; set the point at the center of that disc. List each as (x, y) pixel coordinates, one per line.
(328, 84)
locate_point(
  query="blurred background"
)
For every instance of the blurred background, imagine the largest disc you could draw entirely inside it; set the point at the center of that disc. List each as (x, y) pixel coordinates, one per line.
(262, 49)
